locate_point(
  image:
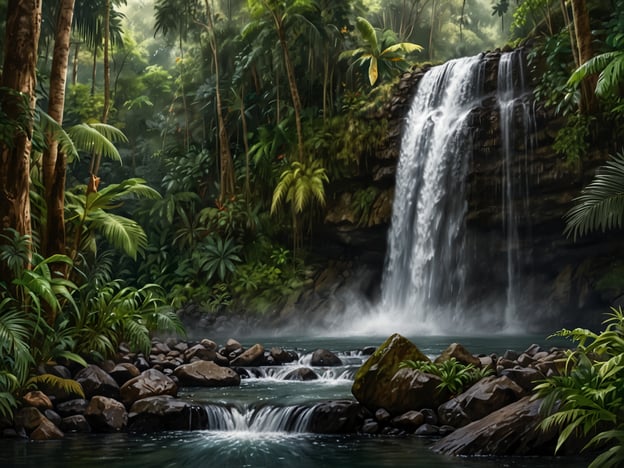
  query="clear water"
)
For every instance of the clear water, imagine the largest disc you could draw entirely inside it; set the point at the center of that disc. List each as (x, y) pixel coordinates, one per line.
(248, 445)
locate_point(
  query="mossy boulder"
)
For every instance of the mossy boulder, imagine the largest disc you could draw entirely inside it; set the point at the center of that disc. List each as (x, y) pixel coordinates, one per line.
(373, 386)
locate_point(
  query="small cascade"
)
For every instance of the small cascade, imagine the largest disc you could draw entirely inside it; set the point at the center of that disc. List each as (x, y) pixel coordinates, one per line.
(425, 264)
(269, 418)
(517, 121)
(283, 372)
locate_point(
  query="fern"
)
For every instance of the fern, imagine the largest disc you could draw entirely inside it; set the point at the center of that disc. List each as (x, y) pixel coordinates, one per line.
(65, 385)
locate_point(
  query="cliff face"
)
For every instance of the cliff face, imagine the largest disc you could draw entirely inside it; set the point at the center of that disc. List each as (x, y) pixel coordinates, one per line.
(556, 277)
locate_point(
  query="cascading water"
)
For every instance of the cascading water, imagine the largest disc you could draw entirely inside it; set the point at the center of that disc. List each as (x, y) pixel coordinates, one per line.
(517, 119)
(425, 263)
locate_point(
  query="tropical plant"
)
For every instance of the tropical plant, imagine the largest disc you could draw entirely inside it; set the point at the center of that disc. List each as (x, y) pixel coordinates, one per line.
(600, 206)
(301, 185)
(455, 376)
(383, 55)
(90, 212)
(586, 400)
(216, 256)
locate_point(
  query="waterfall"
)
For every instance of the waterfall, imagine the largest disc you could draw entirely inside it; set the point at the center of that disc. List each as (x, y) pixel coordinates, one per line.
(426, 260)
(262, 419)
(517, 120)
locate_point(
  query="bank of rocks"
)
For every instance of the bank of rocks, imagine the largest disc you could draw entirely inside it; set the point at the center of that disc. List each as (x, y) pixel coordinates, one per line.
(139, 393)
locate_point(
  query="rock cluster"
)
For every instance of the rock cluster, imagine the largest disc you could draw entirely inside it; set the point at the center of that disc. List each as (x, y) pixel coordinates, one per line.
(495, 416)
(138, 393)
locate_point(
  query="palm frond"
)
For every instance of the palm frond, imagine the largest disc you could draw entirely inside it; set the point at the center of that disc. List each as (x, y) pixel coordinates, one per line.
(601, 203)
(368, 33)
(89, 138)
(66, 385)
(122, 233)
(57, 132)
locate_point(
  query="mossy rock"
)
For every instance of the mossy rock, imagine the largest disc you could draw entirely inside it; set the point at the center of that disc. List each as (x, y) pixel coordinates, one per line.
(372, 385)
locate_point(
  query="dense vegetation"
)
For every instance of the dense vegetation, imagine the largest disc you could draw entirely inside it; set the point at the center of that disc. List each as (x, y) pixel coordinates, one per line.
(190, 153)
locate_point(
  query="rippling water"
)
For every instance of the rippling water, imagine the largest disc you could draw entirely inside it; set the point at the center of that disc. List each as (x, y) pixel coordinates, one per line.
(245, 443)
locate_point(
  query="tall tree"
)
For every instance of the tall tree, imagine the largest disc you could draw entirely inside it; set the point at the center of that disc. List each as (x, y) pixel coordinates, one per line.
(583, 34)
(55, 162)
(225, 155)
(17, 105)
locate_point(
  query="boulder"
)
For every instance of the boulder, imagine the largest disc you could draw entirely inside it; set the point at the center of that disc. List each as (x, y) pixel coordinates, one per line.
(525, 377)
(106, 415)
(150, 383)
(46, 430)
(253, 356)
(372, 384)
(28, 418)
(96, 381)
(460, 353)
(324, 358)
(409, 421)
(301, 374)
(207, 374)
(209, 344)
(280, 356)
(231, 345)
(72, 407)
(123, 372)
(427, 430)
(484, 397)
(53, 416)
(512, 430)
(164, 412)
(37, 399)
(335, 417)
(76, 423)
(199, 351)
(411, 389)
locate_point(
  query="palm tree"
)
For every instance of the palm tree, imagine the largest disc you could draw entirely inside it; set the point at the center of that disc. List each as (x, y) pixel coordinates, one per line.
(17, 101)
(609, 66)
(55, 163)
(601, 204)
(383, 55)
(301, 186)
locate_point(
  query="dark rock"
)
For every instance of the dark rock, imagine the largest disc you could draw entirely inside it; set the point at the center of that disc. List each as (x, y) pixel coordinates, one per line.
(251, 357)
(200, 352)
(46, 431)
(446, 430)
(510, 355)
(150, 383)
(123, 372)
(409, 421)
(512, 430)
(301, 374)
(372, 385)
(53, 416)
(142, 364)
(370, 427)
(335, 417)
(280, 356)
(166, 413)
(460, 353)
(483, 398)
(525, 377)
(106, 415)
(207, 374)
(159, 348)
(368, 350)
(324, 358)
(28, 418)
(76, 423)
(72, 407)
(427, 430)
(95, 381)
(231, 345)
(209, 344)
(431, 417)
(382, 415)
(37, 399)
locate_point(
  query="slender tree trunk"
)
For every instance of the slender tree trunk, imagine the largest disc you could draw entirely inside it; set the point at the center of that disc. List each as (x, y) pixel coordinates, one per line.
(23, 28)
(54, 162)
(227, 165)
(567, 22)
(246, 145)
(97, 157)
(582, 29)
(75, 63)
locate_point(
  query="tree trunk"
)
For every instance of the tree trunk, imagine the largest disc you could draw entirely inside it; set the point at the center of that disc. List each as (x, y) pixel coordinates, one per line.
(582, 29)
(54, 162)
(227, 166)
(294, 92)
(23, 28)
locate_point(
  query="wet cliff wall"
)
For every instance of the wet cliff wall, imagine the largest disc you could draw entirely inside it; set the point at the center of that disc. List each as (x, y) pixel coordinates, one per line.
(558, 279)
